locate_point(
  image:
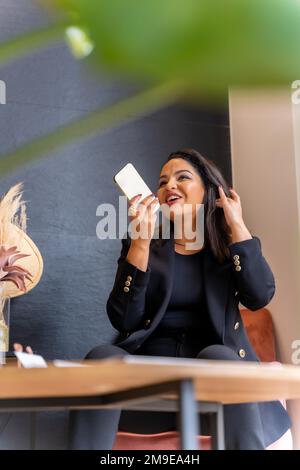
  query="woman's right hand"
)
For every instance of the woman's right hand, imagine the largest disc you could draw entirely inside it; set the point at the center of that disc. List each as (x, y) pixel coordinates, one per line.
(19, 348)
(142, 223)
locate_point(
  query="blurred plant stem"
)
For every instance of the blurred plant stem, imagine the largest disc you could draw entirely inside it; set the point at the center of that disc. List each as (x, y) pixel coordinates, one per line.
(27, 43)
(100, 120)
(130, 108)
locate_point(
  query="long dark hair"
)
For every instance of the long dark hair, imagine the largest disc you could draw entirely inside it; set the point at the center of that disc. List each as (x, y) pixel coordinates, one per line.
(216, 229)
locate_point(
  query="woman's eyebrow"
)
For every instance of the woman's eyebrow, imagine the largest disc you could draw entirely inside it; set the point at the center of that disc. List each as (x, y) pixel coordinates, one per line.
(176, 172)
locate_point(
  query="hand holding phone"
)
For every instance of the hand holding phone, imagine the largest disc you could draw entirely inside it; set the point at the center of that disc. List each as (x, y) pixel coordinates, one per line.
(131, 183)
(143, 206)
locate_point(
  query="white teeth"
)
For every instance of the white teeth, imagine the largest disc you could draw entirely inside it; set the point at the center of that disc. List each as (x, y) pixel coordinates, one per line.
(172, 198)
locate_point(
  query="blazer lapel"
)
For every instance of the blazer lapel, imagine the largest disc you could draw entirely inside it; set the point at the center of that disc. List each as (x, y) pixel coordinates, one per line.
(159, 289)
(160, 286)
(216, 287)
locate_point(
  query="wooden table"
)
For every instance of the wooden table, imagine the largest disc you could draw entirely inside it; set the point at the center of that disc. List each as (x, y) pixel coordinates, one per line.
(152, 383)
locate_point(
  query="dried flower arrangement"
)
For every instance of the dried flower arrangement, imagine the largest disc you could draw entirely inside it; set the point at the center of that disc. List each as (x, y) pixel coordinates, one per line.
(13, 223)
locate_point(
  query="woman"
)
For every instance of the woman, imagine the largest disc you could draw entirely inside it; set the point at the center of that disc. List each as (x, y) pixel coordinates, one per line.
(171, 300)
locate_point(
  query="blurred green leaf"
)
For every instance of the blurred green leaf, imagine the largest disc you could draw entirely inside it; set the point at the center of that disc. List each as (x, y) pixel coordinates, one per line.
(93, 124)
(176, 48)
(14, 48)
(209, 43)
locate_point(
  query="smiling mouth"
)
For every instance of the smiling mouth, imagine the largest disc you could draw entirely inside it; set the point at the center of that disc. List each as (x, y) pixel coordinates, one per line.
(172, 200)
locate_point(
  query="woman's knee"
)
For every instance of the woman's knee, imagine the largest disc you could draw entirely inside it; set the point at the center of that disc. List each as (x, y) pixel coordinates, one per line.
(218, 352)
(104, 351)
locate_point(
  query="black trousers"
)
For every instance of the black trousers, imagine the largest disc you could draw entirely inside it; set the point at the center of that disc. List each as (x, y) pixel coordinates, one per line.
(96, 429)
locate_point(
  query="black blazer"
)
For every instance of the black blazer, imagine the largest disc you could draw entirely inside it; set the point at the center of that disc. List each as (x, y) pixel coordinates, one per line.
(139, 300)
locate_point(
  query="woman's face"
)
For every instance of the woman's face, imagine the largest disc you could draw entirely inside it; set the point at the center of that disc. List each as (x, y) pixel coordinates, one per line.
(180, 184)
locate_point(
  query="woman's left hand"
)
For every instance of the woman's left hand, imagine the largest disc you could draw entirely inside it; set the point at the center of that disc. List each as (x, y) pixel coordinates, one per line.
(233, 215)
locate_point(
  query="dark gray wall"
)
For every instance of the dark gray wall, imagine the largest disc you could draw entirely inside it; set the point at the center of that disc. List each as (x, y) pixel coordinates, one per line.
(64, 316)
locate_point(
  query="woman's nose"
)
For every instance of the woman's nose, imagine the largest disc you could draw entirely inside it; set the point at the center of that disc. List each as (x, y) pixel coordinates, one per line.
(171, 184)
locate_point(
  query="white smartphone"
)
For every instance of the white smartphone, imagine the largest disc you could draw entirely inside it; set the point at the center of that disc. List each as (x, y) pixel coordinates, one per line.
(131, 183)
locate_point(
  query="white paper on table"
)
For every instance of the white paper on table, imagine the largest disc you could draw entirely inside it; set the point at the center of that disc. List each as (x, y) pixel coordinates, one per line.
(30, 361)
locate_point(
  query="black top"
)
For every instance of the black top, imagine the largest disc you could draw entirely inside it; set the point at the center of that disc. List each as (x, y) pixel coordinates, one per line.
(186, 306)
(186, 312)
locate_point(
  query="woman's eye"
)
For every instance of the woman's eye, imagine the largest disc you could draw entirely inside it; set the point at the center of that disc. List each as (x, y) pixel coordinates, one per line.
(179, 178)
(183, 176)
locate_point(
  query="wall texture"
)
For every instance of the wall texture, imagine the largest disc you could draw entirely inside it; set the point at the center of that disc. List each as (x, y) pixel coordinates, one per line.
(64, 316)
